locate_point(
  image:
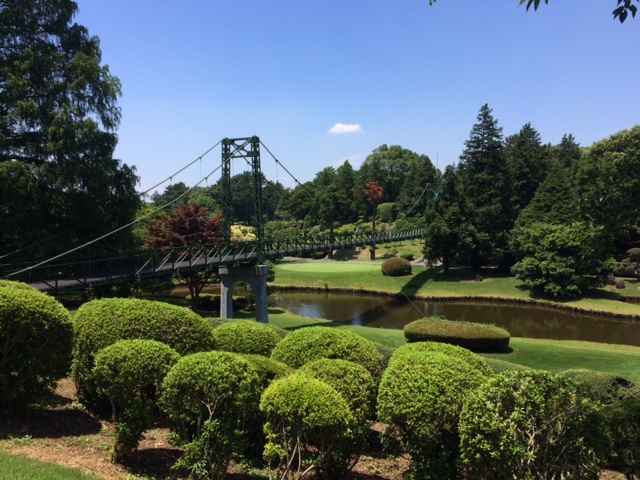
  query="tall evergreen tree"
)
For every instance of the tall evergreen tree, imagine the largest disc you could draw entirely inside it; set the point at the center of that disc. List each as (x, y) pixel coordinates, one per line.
(58, 116)
(347, 193)
(486, 189)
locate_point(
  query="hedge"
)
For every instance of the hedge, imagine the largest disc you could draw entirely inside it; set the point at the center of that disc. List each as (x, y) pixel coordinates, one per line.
(396, 267)
(36, 338)
(210, 397)
(622, 426)
(245, 337)
(475, 361)
(100, 323)
(306, 422)
(312, 343)
(604, 387)
(477, 337)
(420, 397)
(130, 373)
(530, 424)
(499, 366)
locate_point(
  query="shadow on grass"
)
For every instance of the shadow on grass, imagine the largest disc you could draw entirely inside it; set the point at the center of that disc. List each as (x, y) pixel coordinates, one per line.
(45, 423)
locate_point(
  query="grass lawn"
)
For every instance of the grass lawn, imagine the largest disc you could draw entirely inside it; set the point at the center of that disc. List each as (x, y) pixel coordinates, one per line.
(432, 283)
(17, 468)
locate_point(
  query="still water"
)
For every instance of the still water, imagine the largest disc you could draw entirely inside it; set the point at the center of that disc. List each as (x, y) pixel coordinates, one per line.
(520, 320)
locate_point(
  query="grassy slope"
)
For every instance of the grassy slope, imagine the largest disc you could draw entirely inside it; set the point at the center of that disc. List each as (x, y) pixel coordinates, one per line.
(432, 283)
(16, 468)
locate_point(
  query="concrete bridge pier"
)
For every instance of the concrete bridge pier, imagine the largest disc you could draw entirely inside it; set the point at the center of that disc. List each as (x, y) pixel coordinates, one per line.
(256, 276)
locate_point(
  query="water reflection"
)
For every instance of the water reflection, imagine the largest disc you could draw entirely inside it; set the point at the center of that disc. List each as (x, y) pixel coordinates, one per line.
(520, 320)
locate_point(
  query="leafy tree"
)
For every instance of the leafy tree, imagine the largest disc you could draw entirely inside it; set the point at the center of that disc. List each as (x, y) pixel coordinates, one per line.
(449, 233)
(188, 225)
(485, 187)
(562, 260)
(634, 259)
(174, 194)
(420, 184)
(621, 12)
(58, 117)
(568, 151)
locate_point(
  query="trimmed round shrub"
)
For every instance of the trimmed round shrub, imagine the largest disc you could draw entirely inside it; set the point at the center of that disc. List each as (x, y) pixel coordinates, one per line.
(396, 267)
(474, 361)
(477, 337)
(36, 338)
(268, 369)
(130, 373)
(529, 424)
(385, 353)
(18, 285)
(312, 343)
(385, 212)
(100, 323)
(306, 422)
(603, 387)
(245, 337)
(499, 366)
(622, 425)
(420, 397)
(210, 397)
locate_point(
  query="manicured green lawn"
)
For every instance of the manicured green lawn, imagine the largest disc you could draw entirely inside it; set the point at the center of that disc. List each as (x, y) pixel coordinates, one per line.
(552, 355)
(17, 468)
(432, 283)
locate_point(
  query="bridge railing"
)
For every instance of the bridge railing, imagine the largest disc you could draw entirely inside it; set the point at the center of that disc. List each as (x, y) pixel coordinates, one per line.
(100, 269)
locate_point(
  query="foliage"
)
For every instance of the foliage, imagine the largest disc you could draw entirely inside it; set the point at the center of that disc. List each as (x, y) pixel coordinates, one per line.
(420, 397)
(622, 427)
(499, 366)
(604, 387)
(173, 196)
(562, 260)
(36, 337)
(474, 336)
(130, 373)
(312, 343)
(474, 361)
(242, 233)
(621, 12)
(246, 337)
(209, 397)
(485, 189)
(634, 260)
(57, 136)
(306, 418)
(529, 424)
(267, 368)
(100, 323)
(386, 212)
(18, 285)
(396, 267)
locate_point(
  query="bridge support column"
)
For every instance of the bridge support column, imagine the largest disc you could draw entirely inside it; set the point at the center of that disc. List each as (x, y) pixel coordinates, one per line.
(256, 276)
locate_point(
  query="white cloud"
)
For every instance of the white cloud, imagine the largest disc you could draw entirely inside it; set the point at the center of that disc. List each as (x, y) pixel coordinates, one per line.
(340, 128)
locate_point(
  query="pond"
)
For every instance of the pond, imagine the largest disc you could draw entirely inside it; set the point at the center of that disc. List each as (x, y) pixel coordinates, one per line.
(520, 320)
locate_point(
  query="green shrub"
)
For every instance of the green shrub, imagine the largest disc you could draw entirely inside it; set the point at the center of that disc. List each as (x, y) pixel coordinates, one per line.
(36, 338)
(215, 322)
(453, 351)
(245, 337)
(209, 398)
(603, 387)
(100, 323)
(386, 212)
(408, 256)
(306, 420)
(396, 267)
(529, 424)
(130, 373)
(420, 398)
(477, 337)
(624, 269)
(18, 285)
(499, 366)
(622, 425)
(385, 354)
(312, 343)
(267, 368)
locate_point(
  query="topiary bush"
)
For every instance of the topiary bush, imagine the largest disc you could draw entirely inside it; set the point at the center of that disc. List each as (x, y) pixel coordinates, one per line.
(477, 337)
(36, 338)
(306, 420)
(499, 366)
(453, 351)
(246, 337)
(420, 397)
(18, 285)
(386, 212)
(622, 426)
(267, 368)
(210, 398)
(312, 343)
(529, 424)
(100, 323)
(408, 256)
(130, 373)
(385, 354)
(396, 267)
(604, 387)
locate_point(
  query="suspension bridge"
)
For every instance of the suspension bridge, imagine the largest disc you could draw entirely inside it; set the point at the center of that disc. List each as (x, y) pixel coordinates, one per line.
(233, 261)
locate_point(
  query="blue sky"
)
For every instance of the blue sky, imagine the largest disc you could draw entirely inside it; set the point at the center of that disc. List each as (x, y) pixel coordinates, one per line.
(395, 72)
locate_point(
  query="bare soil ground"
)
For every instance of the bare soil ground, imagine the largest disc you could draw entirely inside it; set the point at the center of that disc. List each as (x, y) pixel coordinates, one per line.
(61, 432)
